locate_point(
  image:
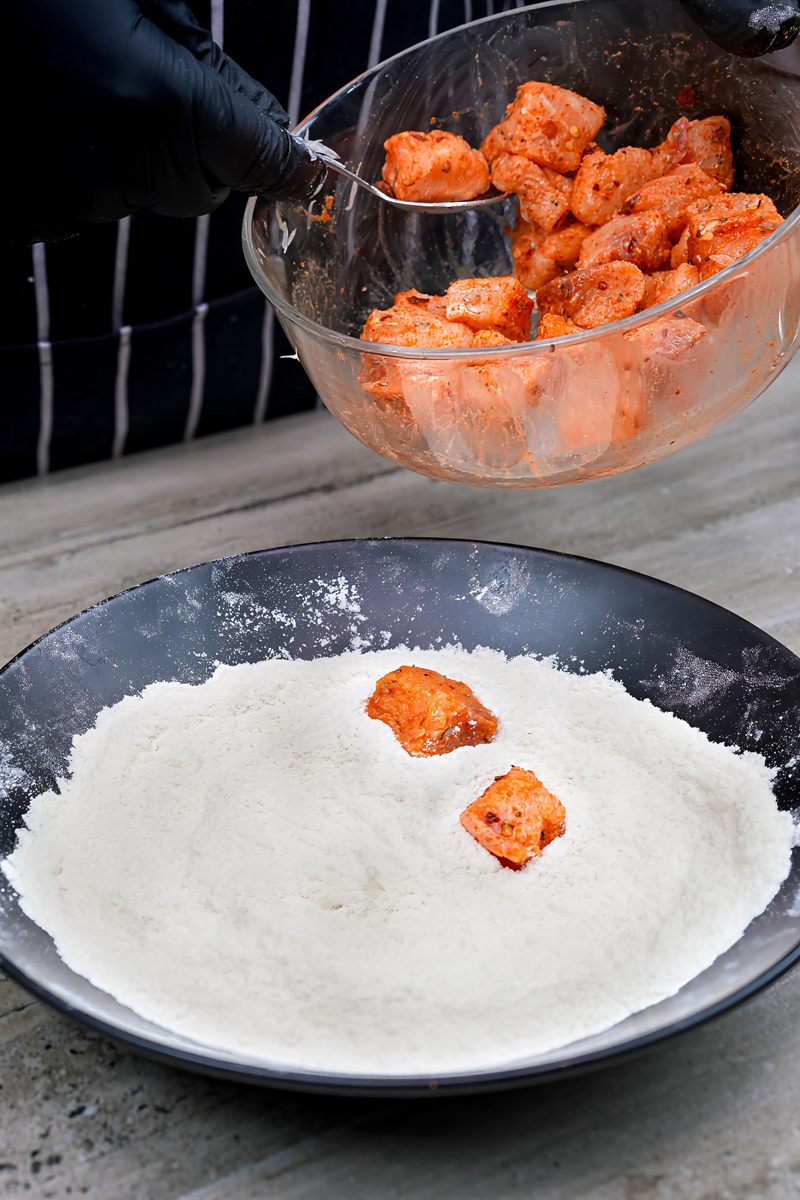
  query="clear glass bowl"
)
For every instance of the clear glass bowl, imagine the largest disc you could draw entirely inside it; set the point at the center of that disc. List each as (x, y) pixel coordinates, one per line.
(545, 413)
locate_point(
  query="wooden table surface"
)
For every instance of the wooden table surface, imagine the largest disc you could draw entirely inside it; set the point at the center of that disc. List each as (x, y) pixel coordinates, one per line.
(712, 1116)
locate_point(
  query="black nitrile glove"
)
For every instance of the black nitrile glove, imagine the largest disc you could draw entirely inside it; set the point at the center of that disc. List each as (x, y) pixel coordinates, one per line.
(116, 105)
(747, 28)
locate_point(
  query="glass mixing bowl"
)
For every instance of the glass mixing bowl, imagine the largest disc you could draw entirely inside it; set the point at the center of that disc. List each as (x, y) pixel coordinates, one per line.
(542, 413)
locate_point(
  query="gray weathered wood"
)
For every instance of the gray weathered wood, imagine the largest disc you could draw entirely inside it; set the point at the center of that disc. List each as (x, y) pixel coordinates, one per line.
(713, 1115)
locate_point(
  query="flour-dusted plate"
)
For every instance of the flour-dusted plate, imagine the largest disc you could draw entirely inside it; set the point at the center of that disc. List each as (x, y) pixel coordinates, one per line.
(687, 656)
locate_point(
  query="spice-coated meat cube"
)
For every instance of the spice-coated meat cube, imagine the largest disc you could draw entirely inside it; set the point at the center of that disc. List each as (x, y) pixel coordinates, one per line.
(603, 182)
(667, 284)
(490, 337)
(544, 195)
(722, 249)
(668, 338)
(733, 210)
(434, 166)
(708, 143)
(640, 239)
(540, 257)
(551, 325)
(672, 194)
(680, 251)
(415, 320)
(595, 295)
(725, 228)
(532, 268)
(500, 303)
(548, 124)
(515, 818)
(429, 713)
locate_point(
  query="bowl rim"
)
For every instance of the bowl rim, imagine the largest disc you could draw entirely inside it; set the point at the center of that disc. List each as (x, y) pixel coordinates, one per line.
(498, 1078)
(465, 354)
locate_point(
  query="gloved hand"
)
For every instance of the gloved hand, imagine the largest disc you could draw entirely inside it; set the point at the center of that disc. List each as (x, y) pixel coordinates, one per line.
(115, 105)
(747, 27)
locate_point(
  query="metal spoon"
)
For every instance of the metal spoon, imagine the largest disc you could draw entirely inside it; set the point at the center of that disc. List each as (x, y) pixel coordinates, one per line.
(443, 206)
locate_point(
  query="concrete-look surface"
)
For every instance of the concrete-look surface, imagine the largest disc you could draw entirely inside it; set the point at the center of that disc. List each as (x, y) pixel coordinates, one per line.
(714, 1115)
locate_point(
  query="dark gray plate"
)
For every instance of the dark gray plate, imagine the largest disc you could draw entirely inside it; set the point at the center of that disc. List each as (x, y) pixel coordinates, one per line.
(699, 661)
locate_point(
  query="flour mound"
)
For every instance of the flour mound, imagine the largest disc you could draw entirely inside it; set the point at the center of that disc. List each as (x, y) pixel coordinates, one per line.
(257, 865)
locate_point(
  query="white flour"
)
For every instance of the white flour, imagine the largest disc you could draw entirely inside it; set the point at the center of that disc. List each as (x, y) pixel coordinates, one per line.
(258, 865)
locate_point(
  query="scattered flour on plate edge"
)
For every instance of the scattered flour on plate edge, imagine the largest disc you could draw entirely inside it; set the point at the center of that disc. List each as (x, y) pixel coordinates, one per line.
(255, 864)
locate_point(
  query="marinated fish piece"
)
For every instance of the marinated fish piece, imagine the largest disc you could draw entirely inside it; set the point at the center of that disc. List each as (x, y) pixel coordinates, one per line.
(551, 325)
(421, 300)
(671, 195)
(510, 386)
(540, 257)
(734, 210)
(596, 295)
(415, 319)
(708, 144)
(727, 227)
(640, 239)
(544, 195)
(604, 182)
(672, 283)
(669, 338)
(428, 713)
(501, 304)
(652, 283)
(515, 818)
(532, 268)
(379, 378)
(680, 251)
(490, 337)
(548, 124)
(434, 166)
(723, 249)
(564, 245)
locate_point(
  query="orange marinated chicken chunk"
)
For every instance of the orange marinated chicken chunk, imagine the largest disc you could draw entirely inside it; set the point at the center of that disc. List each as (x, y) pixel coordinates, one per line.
(680, 251)
(490, 337)
(652, 283)
(664, 285)
(640, 239)
(551, 325)
(434, 166)
(603, 182)
(708, 144)
(501, 304)
(668, 338)
(515, 818)
(723, 249)
(544, 195)
(548, 124)
(595, 295)
(540, 257)
(672, 194)
(428, 713)
(734, 210)
(725, 228)
(415, 319)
